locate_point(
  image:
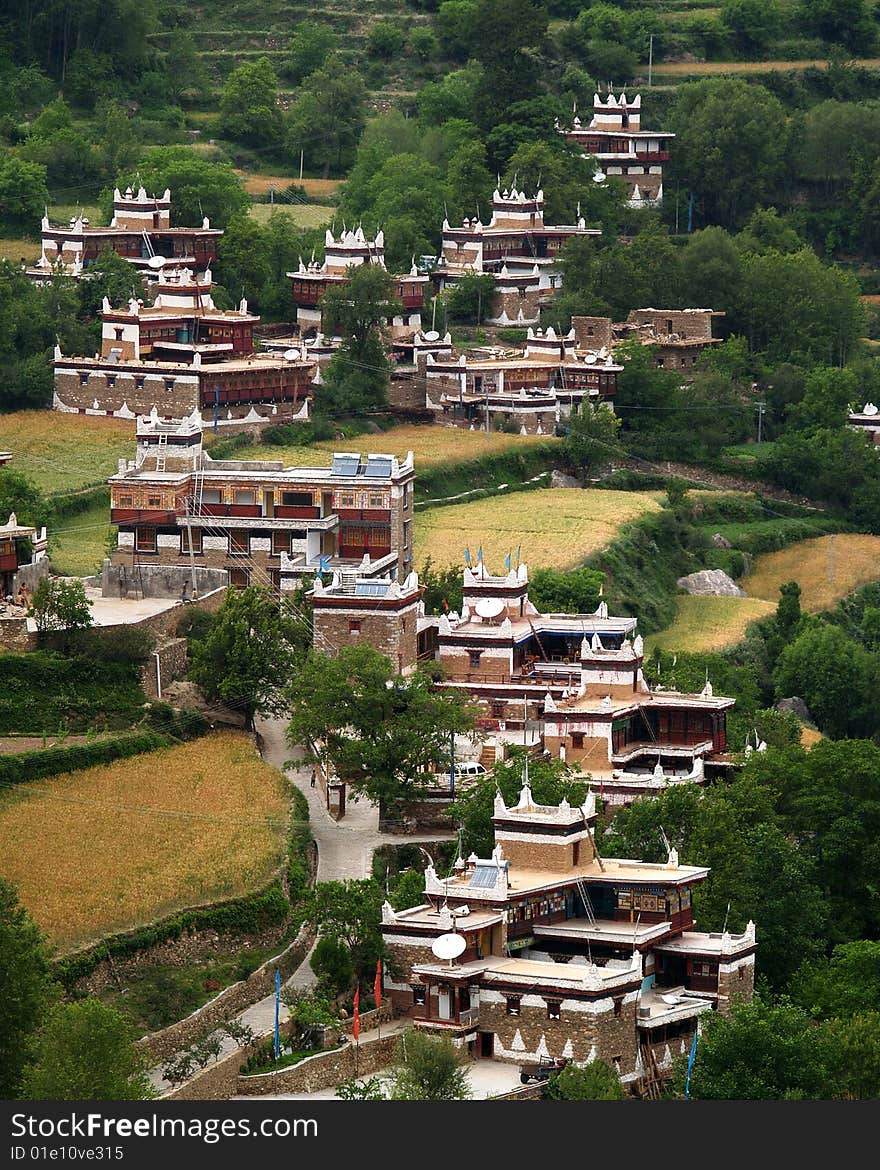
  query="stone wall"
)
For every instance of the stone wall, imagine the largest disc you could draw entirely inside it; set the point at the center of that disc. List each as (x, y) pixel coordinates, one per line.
(423, 814)
(161, 580)
(14, 635)
(736, 980)
(406, 392)
(322, 1071)
(691, 324)
(30, 575)
(393, 633)
(592, 332)
(230, 1002)
(139, 393)
(167, 663)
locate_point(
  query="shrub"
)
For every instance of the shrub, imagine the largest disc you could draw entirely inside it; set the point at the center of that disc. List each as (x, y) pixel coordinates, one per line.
(20, 767)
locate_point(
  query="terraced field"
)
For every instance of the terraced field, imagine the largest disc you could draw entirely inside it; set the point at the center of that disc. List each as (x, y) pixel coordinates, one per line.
(826, 568)
(705, 624)
(64, 452)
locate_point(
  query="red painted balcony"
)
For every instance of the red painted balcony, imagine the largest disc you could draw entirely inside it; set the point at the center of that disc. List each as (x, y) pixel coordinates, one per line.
(361, 515)
(142, 516)
(295, 512)
(230, 510)
(8, 563)
(652, 156)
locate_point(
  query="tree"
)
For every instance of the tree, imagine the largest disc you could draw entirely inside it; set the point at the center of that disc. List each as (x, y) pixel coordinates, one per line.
(327, 118)
(28, 989)
(829, 394)
(378, 731)
(200, 187)
(844, 22)
(753, 23)
(762, 1051)
(574, 591)
(59, 605)
(507, 38)
(844, 985)
(596, 1081)
(331, 962)
(428, 1068)
(113, 277)
(834, 675)
(853, 1047)
(710, 270)
(409, 891)
(348, 914)
(308, 49)
(119, 144)
(593, 439)
(470, 299)
(19, 495)
(468, 182)
(85, 1051)
(249, 104)
(248, 654)
(185, 71)
(385, 40)
(23, 194)
(731, 145)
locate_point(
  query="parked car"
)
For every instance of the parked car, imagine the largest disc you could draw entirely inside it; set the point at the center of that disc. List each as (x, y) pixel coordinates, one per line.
(469, 768)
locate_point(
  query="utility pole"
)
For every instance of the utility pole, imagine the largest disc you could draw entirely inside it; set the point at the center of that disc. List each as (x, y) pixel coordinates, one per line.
(831, 559)
(650, 58)
(760, 407)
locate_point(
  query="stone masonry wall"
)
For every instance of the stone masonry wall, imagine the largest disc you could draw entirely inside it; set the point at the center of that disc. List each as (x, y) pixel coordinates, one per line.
(181, 400)
(166, 664)
(736, 980)
(392, 633)
(592, 332)
(14, 636)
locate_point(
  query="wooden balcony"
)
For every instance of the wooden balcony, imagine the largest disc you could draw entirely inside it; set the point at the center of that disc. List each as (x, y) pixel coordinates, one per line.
(230, 510)
(8, 563)
(652, 156)
(297, 512)
(364, 515)
(142, 516)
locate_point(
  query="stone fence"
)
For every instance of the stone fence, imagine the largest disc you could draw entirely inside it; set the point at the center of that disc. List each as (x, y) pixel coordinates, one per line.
(324, 1070)
(228, 1003)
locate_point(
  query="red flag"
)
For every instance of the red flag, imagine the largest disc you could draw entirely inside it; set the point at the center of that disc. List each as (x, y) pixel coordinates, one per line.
(356, 1025)
(377, 984)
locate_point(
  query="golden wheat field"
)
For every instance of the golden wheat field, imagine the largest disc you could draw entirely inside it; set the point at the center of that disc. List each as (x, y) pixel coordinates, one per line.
(556, 527)
(430, 445)
(704, 624)
(121, 844)
(63, 452)
(827, 568)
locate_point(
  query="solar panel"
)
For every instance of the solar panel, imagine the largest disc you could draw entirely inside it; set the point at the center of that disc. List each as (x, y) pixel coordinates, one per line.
(346, 464)
(378, 468)
(484, 877)
(370, 588)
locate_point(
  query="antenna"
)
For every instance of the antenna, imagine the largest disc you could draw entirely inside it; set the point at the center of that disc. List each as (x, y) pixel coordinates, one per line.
(665, 840)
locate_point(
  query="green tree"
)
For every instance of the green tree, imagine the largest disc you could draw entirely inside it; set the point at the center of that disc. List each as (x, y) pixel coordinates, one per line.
(199, 186)
(85, 1051)
(118, 141)
(378, 731)
(834, 675)
(469, 183)
(752, 23)
(593, 440)
(470, 299)
(385, 40)
(409, 891)
(507, 39)
(331, 961)
(309, 47)
(249, 109)
(349, 914)
(248, 654)
(455, 22)
(844, 985)
(572, 591)
(853, 1047)
(113, 277)
(28, 989)
(24, 195)
(59, 605)
(20, 495)
(710, 270)
(829, 395)
(596, 1081)
(762, 1051)
(843, 22)
(185, 71)
(327, 117)
(428, 1068)
(731, 145)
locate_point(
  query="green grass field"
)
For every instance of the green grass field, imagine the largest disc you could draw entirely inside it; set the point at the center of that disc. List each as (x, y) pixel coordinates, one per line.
(305, 215)
(704, 624)
(78, 545)
(65, 452)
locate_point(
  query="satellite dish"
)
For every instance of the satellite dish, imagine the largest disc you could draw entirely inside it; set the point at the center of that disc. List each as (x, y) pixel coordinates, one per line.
(156, 262)
(590, 359)
(599, 177)
(432, 335)
(489, 607)
(291, 355)
(448, 946)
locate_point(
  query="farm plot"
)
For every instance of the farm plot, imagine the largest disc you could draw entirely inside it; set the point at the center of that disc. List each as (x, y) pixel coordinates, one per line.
(827, 568)
(555, 527)
(706, 624)
(64, 452)
(122, 844)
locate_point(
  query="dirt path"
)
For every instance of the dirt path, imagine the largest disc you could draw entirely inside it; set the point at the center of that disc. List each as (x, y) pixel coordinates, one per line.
(700, 476)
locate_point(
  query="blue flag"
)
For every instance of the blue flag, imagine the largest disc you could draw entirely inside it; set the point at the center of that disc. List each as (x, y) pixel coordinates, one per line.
(467, 556)
(323, 564)
(687, 1083)
(277, 1013)
(507, 562)
(480, 553)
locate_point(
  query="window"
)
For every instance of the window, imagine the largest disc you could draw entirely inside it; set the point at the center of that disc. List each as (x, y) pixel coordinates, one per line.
(239, 578)
(196, 535)
(211, 496)
(618, 1006)
(239, 542)
(418, 994)
(577, 739)
(139, 382)
(169, 384)
(111, 380)
(513, 1005)
(154, 501)
(145, 540)
(243, 496)
(280, 543)
(297, 499)
(498, 708)
(83, 379)
(554, 1009)
(354, 626)
(377, 501)
(474, 656)
(124, 502)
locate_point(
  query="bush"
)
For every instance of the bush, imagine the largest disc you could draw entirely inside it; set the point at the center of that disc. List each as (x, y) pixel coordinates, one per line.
(74, 693)
(385, 40)
(21, 767)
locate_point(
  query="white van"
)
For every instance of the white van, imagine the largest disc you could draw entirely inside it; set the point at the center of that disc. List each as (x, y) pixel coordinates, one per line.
(469, 768)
